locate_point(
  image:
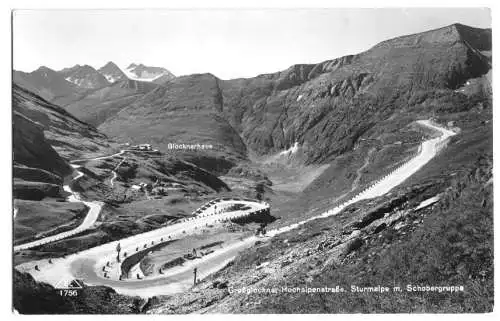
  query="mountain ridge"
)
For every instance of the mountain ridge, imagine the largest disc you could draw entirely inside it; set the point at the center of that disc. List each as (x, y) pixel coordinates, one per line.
(112, 72)
(84, 76)
(273, 111)
(309, 103)
(304, 140)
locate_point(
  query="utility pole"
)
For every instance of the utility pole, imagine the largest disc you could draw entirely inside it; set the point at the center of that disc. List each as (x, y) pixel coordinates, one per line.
(118, 249)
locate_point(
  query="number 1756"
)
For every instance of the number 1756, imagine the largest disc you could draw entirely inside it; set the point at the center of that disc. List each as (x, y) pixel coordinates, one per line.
(68, 292)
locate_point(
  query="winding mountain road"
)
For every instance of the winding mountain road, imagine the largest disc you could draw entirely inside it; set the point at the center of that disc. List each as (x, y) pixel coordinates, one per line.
(86, 264)
(88, 221)
(112, 180)
(92, 214)
(428, 149)
(100, 157)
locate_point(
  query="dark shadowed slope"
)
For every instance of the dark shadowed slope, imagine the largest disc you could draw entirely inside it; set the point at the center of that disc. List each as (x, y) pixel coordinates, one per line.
(70, 137)
(45, 138)
(30, 148)
(38, 170)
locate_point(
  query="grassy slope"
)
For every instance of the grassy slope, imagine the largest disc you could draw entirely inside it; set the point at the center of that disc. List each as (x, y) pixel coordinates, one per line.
(39, 219)
(453, 247)
(184, 111)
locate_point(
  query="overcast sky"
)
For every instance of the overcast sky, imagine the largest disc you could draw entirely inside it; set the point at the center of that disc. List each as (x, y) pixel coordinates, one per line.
(226, 43)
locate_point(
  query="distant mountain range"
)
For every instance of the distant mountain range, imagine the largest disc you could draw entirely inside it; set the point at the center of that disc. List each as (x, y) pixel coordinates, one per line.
(311, 105)
(307, 105)
(45, 82)
(51, 84)
(84, 76)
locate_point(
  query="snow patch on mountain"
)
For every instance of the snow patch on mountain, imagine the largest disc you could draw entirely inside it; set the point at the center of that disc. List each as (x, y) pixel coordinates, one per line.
(144, 77)
(76, 81)
(292, 150)
(146, 73)
(112, 72)
(110, 78)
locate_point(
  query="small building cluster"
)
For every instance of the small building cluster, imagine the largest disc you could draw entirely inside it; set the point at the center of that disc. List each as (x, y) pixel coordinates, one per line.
(142, 147)
(159, 188)
(142, 187)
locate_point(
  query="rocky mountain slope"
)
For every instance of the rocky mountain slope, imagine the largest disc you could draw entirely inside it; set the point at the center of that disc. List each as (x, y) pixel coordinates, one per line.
(90, 95)
(38, 169)
(45, 137)
(306, 106)
(340, 100)
(337, 100)
(186, 110)
(84, 76)
(69, 136)
(95, 106)
(112, 72)
(46, 83)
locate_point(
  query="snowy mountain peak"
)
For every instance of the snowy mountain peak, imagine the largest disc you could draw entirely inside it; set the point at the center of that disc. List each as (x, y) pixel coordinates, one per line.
(147, 73)
(84, 76)
(112, 72)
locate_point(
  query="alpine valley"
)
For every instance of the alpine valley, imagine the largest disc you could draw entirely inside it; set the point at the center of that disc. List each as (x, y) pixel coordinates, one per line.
(259, 193)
